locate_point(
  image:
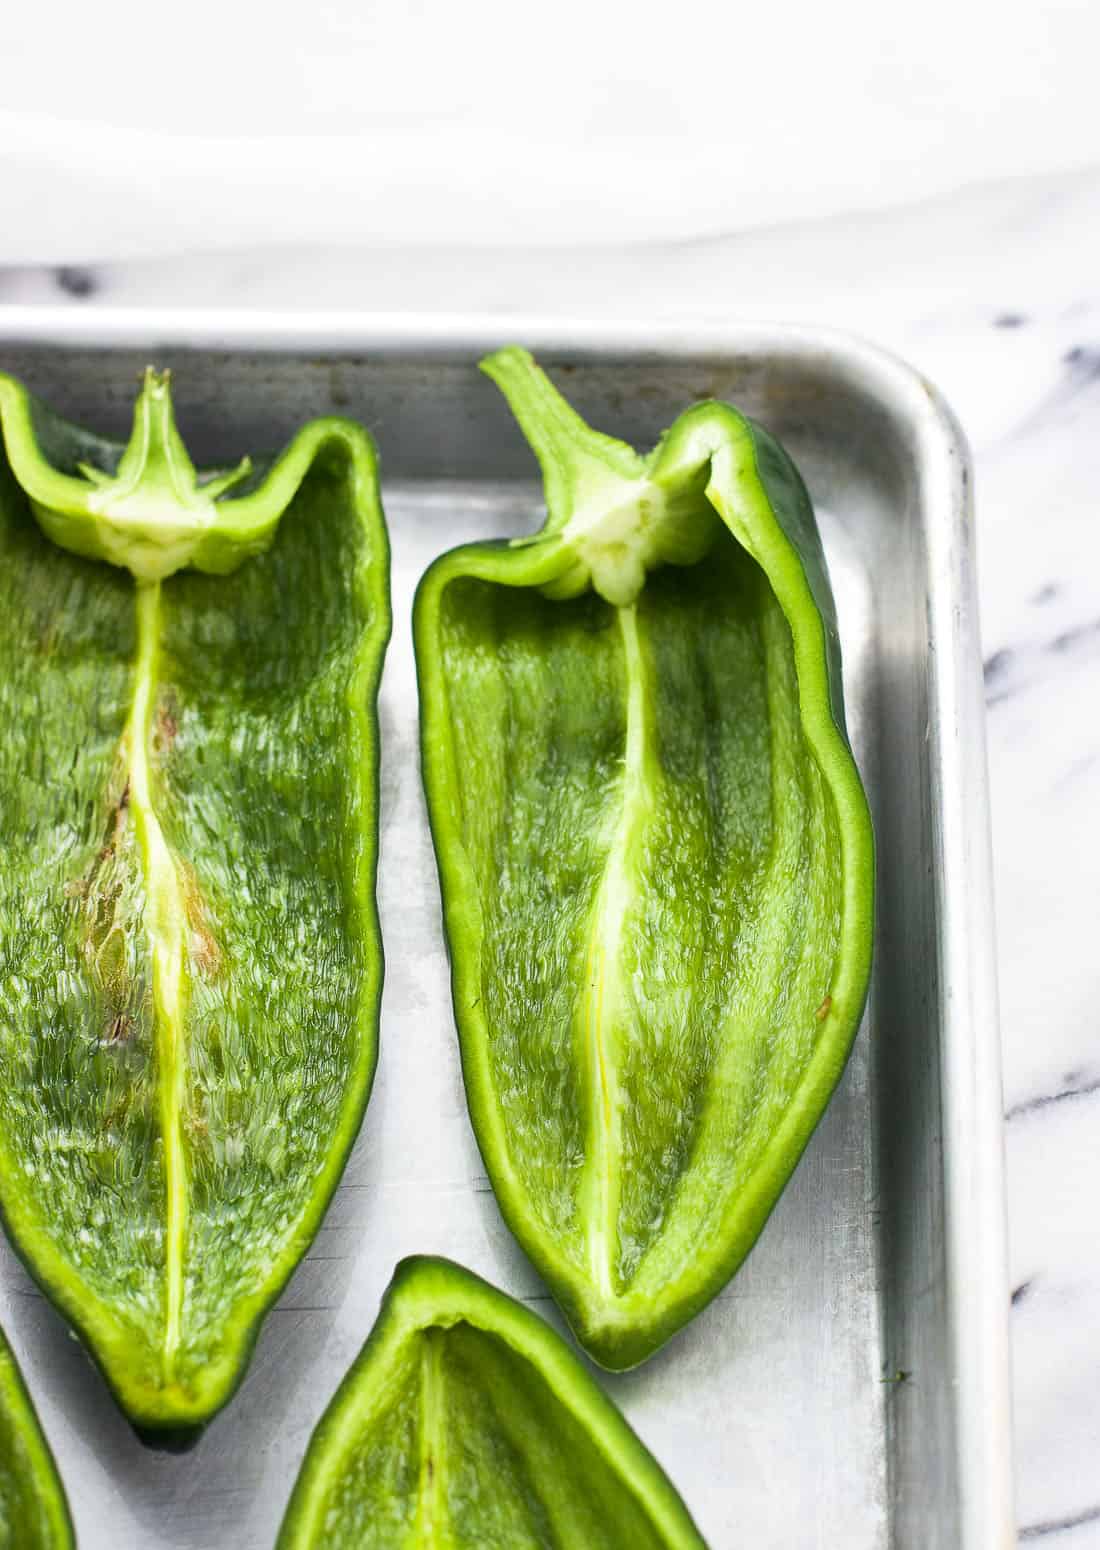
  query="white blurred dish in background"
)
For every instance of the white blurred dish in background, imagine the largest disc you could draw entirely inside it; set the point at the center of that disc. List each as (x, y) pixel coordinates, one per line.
(135, 131)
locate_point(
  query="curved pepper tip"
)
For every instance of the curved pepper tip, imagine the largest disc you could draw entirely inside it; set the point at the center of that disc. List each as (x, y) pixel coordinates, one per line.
(469, 1385)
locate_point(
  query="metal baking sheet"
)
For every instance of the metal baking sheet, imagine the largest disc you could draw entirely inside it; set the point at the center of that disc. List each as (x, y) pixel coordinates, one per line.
(850, 1386)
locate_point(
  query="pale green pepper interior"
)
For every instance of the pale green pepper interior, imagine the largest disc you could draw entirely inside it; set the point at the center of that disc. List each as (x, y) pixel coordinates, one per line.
(182, 957)
(467, 1445)
(657, 860)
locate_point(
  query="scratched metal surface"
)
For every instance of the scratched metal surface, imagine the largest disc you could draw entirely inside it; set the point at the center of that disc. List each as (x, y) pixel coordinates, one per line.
(780, 1412)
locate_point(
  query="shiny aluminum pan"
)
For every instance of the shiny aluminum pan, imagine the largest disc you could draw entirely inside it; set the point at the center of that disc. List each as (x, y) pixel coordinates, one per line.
(851, 1386)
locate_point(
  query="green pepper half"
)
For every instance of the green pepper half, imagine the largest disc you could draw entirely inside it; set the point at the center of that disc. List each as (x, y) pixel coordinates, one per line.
(655, 854)
(467, 1422)
(190, 962)
(34, 1514)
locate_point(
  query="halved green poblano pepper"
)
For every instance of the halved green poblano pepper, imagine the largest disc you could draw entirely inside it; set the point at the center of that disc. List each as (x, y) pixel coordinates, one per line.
(466, 1422)
(190, 963)
(655, 854)
(34, 1514)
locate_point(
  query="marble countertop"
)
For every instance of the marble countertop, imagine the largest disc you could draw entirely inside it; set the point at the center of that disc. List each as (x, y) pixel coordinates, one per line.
(994, 293)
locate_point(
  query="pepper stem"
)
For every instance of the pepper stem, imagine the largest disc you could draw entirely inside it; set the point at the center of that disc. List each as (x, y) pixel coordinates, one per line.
(155, 470)
(154, 514)
(613, 520)
(577, 462)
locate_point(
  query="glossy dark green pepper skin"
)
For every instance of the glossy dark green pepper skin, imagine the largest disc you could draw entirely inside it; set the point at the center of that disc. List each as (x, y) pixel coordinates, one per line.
(466, 1422)
(655, 854)
(189, 947)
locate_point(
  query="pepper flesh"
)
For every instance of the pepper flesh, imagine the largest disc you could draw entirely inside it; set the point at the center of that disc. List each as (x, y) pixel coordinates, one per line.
(34, 1514)
(190, 960)
(655, 854)
(467, 1422)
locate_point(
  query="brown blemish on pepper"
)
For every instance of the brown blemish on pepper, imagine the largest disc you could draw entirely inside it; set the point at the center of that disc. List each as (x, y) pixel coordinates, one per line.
(116, 822)
(206, 955)
(205, 951)
(100, 895)
(166, 724)
(118, 1114)
(824, 1009)
(120, 1030)
(197, 1125)
(115, 833)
